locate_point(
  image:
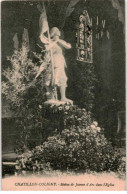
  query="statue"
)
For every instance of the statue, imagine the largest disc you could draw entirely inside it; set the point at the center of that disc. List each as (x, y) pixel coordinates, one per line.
(55, 45)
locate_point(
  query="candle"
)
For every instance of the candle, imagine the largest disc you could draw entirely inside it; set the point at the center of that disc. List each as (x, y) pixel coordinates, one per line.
(97, 20)
(103, 23)
(108, 34)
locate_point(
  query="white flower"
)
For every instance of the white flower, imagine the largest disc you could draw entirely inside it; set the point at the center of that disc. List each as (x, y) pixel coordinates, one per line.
(40, 106)
(47, 93)
(67, 107)
(95, 123)
(93, 126)
(98, 129)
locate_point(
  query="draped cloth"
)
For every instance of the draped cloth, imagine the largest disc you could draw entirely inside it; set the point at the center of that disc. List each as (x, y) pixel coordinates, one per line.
(60, 78)
(43, 23)
(59, 66)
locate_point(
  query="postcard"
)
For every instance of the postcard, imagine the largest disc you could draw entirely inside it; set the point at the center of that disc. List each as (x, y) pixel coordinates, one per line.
(63, 95)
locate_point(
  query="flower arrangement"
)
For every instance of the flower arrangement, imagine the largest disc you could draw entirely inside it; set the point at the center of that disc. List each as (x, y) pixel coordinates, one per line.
(79, 146)
(27, 164)
(75, 150)
(67, 114)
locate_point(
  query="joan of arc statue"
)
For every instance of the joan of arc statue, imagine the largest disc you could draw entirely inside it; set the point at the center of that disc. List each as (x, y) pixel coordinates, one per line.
(59, 64)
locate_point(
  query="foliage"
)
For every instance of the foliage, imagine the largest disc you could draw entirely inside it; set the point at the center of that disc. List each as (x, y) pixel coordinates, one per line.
(80, 146)
(122, 168)
(68, 115)
(48, 120)
(80, 150)
(27, 163)
(19, 85)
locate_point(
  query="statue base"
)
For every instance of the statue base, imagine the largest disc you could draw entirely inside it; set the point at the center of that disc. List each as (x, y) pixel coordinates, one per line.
(58, 102)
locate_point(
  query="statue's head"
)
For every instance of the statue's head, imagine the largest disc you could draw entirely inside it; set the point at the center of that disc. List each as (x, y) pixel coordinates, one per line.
(55, 32)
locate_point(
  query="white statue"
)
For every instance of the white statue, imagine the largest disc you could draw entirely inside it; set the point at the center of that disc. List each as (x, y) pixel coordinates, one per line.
(56, 45)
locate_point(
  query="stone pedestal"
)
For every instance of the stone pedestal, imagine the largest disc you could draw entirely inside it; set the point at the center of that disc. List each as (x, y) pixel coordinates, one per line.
(57, 102)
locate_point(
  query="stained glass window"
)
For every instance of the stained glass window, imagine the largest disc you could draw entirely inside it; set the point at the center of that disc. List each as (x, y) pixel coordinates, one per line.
(84, 38)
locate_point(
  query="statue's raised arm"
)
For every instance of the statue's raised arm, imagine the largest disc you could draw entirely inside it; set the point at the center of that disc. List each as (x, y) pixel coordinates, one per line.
(64, 44)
